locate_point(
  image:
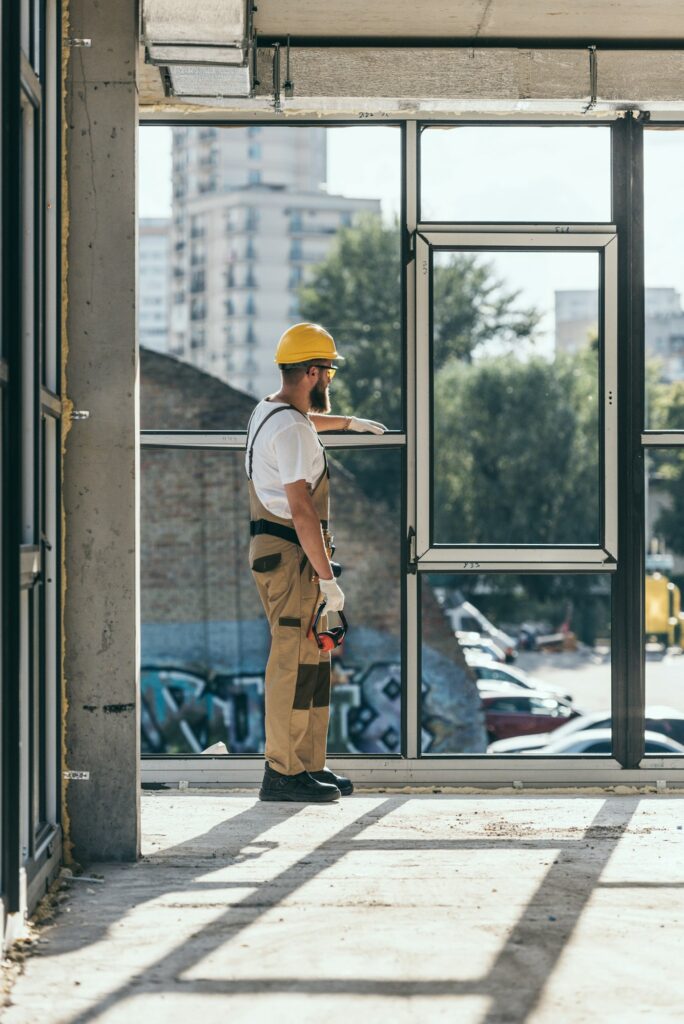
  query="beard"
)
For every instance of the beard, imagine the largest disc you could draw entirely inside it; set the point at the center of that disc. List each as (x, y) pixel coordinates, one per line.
(319, 399)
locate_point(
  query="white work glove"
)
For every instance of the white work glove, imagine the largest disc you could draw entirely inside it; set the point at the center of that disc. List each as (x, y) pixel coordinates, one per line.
(360, 426)
(334, 598)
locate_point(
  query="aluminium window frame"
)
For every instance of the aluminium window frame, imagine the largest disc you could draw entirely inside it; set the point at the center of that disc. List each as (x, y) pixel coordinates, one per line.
(627, 765)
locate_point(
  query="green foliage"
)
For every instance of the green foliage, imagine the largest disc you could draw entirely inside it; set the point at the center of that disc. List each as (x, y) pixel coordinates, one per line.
(472, 308)
(356, 294)
(516, 451)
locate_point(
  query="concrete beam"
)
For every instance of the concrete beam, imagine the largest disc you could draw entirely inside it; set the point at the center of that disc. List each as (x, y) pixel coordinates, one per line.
(458, 80)
(100, 489)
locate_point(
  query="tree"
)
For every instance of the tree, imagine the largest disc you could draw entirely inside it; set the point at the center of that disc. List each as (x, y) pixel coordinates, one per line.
(356, 293)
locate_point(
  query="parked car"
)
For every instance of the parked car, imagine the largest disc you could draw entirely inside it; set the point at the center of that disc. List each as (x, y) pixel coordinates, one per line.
(466, 618)
(512, 714)
(481, 644)
(599, 741)
(485, 668)
(666, 721)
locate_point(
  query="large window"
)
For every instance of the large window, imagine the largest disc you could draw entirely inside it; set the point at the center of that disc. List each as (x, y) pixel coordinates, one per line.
(516, 387)
(516, 398)
(525, 667)
(489, 313)
(515, 173)
(664, 274)
(516, 440)
(205, 639)
(340, 190)
(664, 423)
(204, 636)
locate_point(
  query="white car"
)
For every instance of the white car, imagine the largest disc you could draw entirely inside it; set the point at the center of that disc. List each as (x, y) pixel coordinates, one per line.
(486, 669)
(482, 645)
(599, 741)
(466, 618)
(659, 720)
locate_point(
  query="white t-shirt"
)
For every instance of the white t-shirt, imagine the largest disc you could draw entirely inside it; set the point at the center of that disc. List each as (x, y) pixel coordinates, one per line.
(287, 449)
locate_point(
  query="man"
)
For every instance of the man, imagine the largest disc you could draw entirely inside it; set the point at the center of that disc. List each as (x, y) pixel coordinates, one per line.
(289, 555)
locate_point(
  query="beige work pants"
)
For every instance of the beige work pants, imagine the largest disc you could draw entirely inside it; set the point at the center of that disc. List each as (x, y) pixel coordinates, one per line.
(297, 691)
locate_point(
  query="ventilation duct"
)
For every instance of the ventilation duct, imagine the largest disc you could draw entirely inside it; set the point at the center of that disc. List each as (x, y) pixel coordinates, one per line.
(204, 48)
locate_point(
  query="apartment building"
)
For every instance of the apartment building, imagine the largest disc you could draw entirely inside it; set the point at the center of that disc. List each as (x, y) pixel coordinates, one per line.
(251, 219)
(154, 280)
(577, 314)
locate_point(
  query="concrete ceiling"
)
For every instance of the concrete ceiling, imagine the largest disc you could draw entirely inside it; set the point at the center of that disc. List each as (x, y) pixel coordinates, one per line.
(590, 20)
(548, 72)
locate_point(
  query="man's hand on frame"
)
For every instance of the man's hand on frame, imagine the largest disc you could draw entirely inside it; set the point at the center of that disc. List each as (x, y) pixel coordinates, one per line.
(360, 426)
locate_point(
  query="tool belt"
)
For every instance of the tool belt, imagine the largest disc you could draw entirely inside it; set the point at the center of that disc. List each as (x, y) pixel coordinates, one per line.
(258, 526)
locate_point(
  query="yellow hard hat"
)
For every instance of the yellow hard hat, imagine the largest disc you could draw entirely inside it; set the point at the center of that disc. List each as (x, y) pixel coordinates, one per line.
(303, 342)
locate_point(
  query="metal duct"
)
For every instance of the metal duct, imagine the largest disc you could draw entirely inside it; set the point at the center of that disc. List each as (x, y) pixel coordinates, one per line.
(187, 80)
(205, 47)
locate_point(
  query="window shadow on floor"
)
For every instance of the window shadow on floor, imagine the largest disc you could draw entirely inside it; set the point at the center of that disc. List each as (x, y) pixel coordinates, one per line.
(520, 970)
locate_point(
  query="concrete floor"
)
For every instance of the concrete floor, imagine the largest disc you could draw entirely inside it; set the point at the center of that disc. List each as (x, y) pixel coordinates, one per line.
(475, 909)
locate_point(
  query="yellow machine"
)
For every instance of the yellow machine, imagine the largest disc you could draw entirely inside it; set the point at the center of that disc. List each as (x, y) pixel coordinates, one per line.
(663, 614)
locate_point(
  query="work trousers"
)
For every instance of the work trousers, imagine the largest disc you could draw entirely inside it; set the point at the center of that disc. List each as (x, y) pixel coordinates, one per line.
(297, 690)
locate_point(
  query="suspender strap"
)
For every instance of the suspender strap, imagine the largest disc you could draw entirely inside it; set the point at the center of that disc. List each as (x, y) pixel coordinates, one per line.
(280, 408)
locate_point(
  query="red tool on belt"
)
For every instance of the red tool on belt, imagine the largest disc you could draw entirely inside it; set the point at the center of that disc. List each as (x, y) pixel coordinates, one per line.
(327, 639)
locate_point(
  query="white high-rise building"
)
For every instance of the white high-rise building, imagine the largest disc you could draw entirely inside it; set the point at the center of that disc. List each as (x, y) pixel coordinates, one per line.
(577, 321)
(250, 219)
(154, 279)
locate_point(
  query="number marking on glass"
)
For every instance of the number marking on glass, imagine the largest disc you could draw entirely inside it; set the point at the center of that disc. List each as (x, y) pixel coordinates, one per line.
(471, 565)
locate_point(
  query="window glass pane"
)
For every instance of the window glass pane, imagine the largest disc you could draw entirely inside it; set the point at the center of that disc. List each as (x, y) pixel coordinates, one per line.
(205, 639)
(239, 240)
(535, 678)
(515, 173)
(515, 393)
(663, 606)
(664, 271)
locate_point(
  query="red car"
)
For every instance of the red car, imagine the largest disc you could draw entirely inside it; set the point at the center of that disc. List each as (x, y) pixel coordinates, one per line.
(508, 714)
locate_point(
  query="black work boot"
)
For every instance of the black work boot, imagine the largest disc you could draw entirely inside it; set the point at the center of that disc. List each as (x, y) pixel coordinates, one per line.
(345, 785)
(301, 788)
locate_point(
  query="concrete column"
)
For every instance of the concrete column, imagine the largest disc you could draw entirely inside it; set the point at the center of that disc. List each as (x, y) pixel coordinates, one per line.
(100, 478)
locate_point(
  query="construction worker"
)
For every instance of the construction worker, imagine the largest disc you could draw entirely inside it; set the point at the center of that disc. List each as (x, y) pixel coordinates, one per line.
(289, 555)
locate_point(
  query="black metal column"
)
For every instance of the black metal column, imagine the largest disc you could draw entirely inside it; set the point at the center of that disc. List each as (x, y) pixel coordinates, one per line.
(628, 690)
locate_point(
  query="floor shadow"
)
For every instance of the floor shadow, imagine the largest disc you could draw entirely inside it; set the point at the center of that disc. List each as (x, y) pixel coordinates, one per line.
(175, 868)
(521, 969)
(165, 972)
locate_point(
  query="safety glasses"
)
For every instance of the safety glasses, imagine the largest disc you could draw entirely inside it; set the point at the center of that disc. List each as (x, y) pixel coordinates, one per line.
(332, 370)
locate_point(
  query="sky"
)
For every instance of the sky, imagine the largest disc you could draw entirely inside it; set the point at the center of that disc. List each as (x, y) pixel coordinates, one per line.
(558, 174)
